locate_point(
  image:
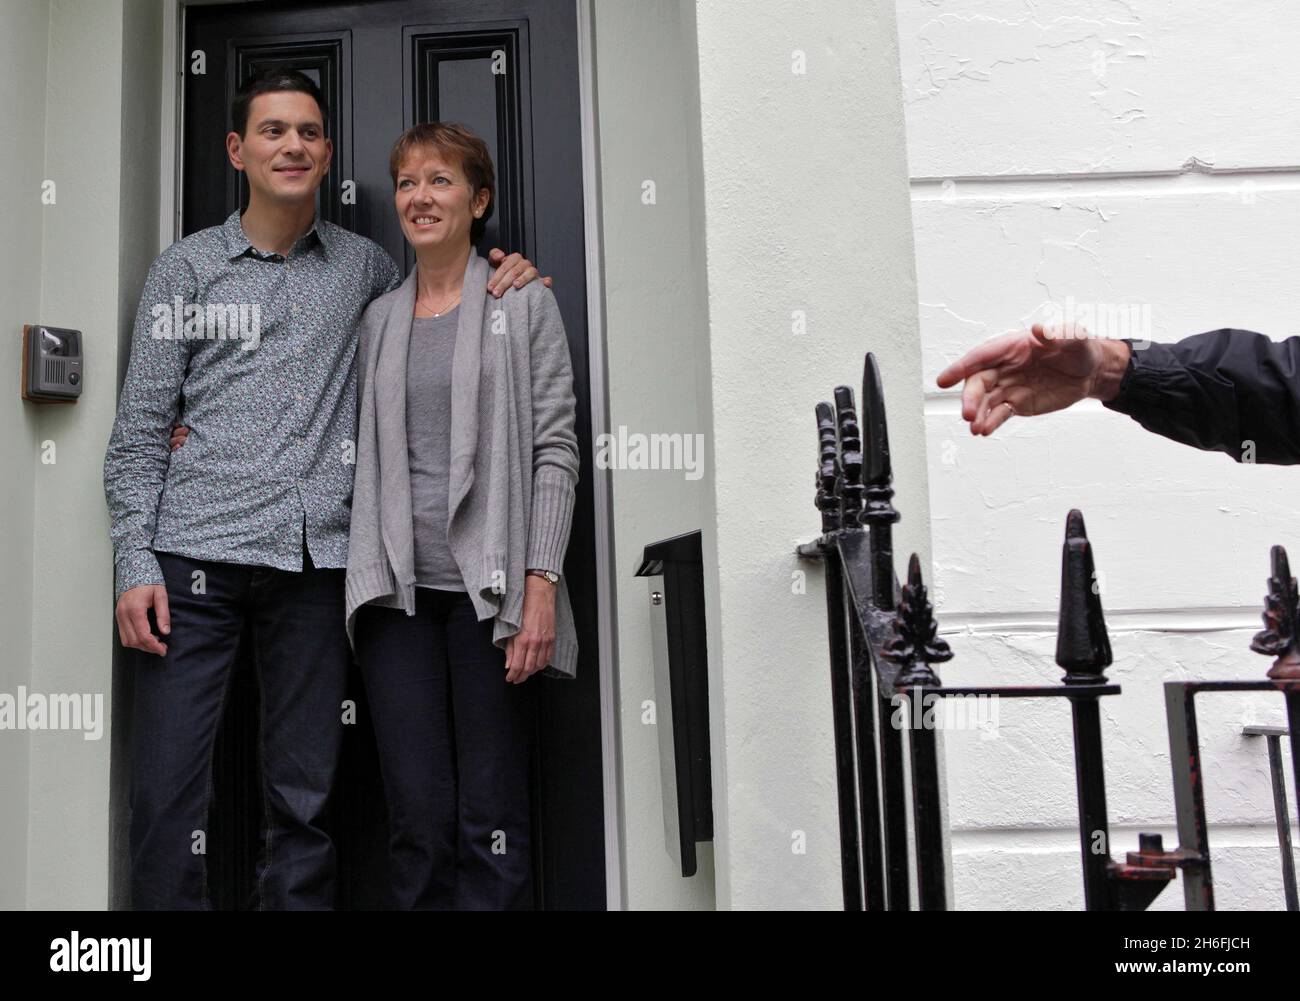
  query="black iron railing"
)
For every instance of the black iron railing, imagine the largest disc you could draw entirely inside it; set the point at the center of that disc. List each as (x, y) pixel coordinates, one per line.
(884, 646)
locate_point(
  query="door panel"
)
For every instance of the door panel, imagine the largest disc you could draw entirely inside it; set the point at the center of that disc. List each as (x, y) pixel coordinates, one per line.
(508, 70)
(465, 76)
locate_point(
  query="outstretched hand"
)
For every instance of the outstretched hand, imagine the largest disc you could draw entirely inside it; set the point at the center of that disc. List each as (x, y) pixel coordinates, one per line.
(1031, 372)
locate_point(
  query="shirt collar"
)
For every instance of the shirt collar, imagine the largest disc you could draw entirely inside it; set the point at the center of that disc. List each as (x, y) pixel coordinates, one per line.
(238, 244)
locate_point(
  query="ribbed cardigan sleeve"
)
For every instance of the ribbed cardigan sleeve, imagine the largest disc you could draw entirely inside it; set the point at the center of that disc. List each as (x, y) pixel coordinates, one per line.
(555, 442)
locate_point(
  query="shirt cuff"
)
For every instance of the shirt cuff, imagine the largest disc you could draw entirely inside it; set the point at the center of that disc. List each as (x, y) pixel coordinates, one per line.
(1140, 386)
(137, 568)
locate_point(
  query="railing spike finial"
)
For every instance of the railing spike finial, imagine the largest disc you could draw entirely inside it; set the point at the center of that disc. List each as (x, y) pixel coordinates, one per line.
(828, 469)
(915, 644)
(1279, 637)
(850, 457)
(1082, 644)
(879, 470)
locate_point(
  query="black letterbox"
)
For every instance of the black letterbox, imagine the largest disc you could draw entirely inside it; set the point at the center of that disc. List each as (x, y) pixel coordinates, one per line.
(681, 666)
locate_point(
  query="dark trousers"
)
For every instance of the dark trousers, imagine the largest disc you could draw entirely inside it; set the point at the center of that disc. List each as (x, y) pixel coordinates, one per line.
(454, 743)
(301, 653)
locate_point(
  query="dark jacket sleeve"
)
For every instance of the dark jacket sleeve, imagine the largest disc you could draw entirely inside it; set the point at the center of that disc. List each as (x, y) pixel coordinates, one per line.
(1232, 391)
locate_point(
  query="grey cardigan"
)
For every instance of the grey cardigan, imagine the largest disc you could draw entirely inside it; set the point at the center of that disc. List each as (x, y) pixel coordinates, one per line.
(514, 456)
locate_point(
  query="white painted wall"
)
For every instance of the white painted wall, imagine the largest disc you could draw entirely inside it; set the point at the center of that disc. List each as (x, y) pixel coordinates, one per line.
(1126, 153)
(24, 42)
(759, 210)
(85, 125)
(806, 209)
(656, 322)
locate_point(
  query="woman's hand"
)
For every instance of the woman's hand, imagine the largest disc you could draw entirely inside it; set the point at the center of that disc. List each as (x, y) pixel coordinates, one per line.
(179, 433)
(531, 649)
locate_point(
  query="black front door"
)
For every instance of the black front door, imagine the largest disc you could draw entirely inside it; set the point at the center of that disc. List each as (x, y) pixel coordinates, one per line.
(507, 69)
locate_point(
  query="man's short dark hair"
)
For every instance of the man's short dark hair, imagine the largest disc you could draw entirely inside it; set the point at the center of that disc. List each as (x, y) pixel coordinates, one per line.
(270, 82)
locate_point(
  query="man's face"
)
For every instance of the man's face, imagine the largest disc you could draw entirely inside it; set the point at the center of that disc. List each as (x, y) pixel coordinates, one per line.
(283, 151)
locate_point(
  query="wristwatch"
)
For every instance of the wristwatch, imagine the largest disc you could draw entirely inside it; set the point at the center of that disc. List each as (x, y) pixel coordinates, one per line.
(552, 578)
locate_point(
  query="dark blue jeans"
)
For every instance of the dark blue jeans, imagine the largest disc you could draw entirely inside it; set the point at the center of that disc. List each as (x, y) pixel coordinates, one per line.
(454, 743)
(301, 653)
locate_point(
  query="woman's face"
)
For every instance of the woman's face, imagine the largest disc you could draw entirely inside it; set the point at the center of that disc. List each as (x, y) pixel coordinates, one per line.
(434, 202)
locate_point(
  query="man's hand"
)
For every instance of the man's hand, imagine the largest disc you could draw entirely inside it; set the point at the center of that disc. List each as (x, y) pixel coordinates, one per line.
(1033, 372)
(530, 650)
(514, 270)
(133, 618)
(179, 433)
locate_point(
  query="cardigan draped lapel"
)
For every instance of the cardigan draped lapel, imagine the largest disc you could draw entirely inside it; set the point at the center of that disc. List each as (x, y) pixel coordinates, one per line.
(390, 412)
(390, 420)
(466, 365)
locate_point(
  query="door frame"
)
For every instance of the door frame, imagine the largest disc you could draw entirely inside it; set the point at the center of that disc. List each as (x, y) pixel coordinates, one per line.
(171, 178)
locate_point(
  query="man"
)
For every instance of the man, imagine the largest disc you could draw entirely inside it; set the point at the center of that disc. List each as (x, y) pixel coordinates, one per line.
(246, 332)
(1227, 390)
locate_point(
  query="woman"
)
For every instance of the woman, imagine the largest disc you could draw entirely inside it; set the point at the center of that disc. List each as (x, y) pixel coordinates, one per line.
(467, 464)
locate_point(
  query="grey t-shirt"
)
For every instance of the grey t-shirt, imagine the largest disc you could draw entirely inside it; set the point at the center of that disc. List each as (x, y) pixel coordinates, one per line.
(428, 444)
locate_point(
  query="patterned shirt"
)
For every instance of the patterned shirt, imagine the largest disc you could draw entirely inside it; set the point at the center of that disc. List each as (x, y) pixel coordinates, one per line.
(256, 354)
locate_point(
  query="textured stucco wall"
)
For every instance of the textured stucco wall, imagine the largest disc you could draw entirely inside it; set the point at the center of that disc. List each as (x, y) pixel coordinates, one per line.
(1140, 154)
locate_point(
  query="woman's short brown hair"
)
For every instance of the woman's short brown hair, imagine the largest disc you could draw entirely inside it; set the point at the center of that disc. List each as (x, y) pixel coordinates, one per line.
(454, 142)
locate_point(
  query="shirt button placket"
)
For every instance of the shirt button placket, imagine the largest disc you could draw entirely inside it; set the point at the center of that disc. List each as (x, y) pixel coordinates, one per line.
(300, 331)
